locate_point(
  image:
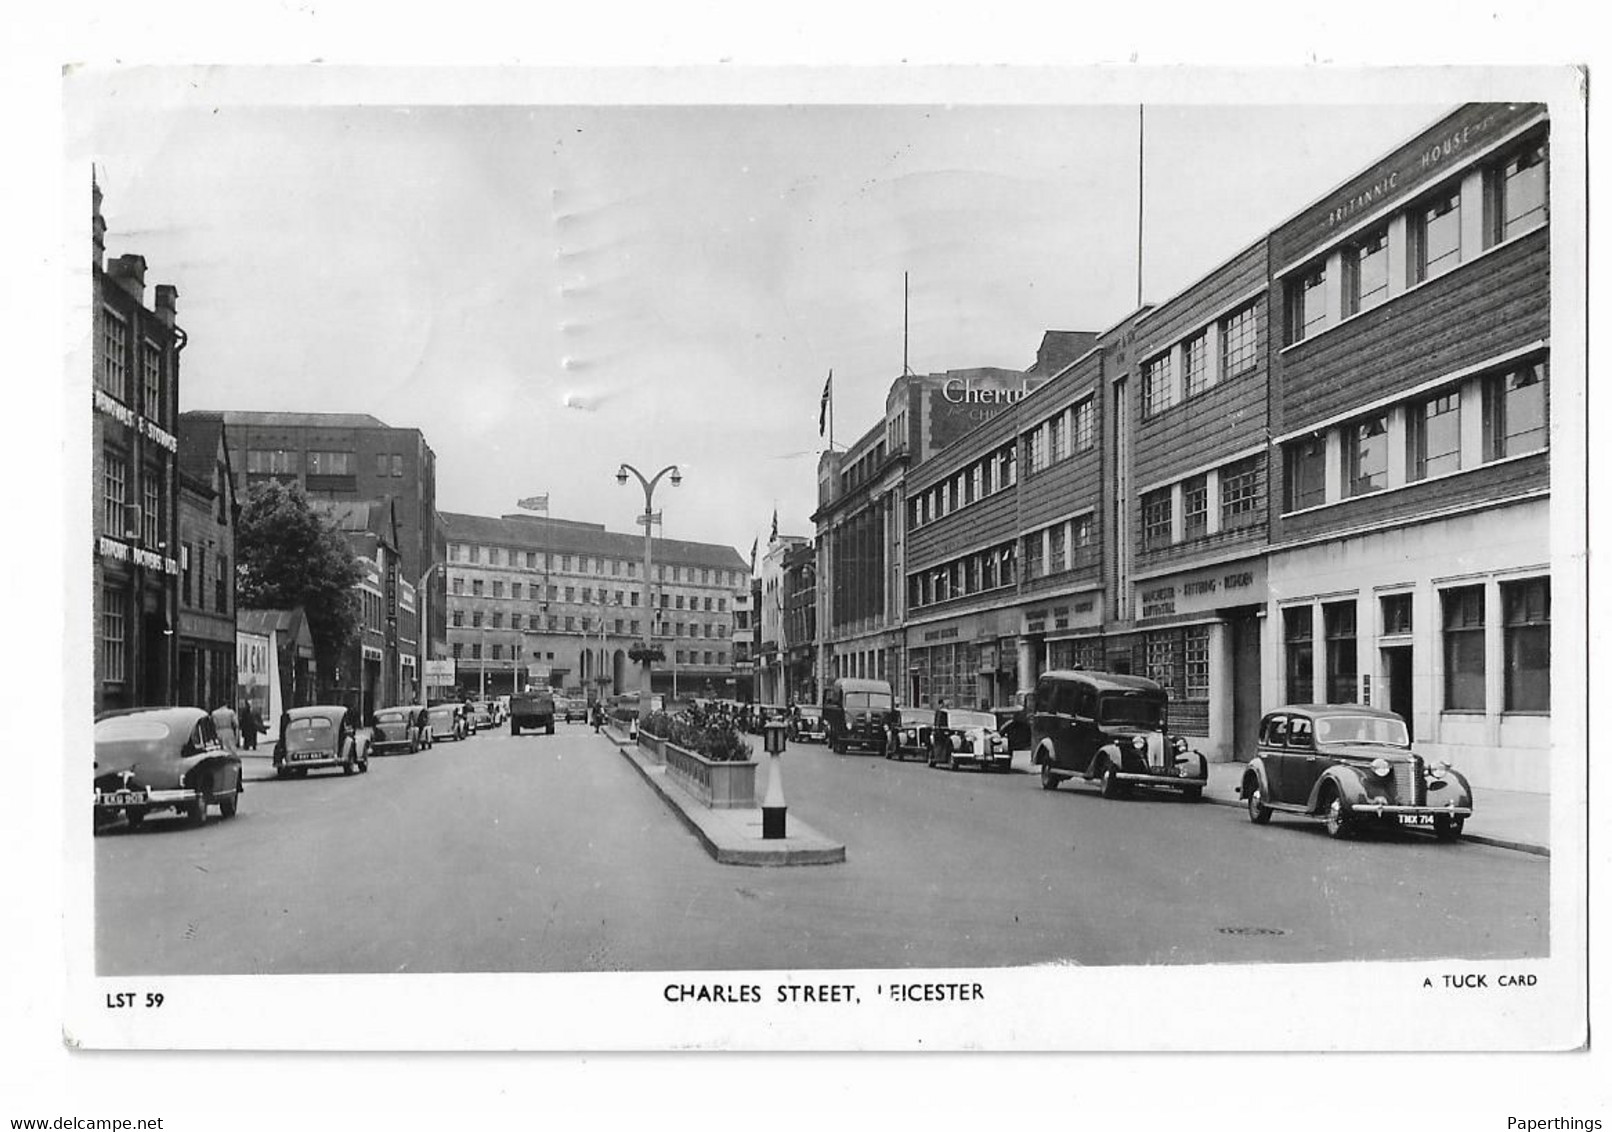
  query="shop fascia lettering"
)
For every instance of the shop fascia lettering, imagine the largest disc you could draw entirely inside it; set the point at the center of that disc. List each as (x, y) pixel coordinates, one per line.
(119, 551)
(961, 391)
(110, 406)
(1236, 585)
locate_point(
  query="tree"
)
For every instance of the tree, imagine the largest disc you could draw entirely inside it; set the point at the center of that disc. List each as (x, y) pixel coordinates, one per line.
(288, 556)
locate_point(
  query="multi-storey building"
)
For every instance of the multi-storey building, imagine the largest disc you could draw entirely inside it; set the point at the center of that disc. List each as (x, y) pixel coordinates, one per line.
(799, 643)
(773, 650)
(208, 511)
(351, 457)
(382, 667)
(134, 481)
(534, 599)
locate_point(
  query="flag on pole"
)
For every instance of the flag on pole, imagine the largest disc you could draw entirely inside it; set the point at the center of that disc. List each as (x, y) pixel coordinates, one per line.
(534, 502)
(754, 543)
(774, 536)
(823, 403)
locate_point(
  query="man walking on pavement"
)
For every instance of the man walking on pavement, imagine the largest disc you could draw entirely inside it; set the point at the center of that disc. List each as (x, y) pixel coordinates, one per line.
(249, 726)
(228, 728)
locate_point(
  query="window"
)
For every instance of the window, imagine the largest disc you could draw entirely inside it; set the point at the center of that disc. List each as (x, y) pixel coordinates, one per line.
(330, 463)
(114, 494)
(1514, 412)
(458, 618)
(1057, 438)
(114, 376)
(1158, 392)
(1433, 438)
(221, 586)
(514, 620)
(1239, 493)
(475, 651)
(1365, 273)
(1035, 449)
(1195, 657)
(570, 623)
(515, 591)
(1156, 517)
(1195, 507)
(1306, 477)
(1396, 614)
(1342, 673)
(1035, 547)
(1057, 547)
(1298, 634)
(498, 620)
(1084, 540)
(458, 650)
(1195, 374)
(397, 465)
(1527, 608)
(380, 463)
(1435, 235)
(1463, 649)
(1518, 193)
(565, 563)
(1238, 342)
(184, 573)
(475, 619)
(1306, 304)
(1082, 428)
(114, 645)
(1365, 455)
(151, 380)
(1160, 659)
(475, 554)
(498, 652)
(476, 585)
(498, 587)
(275, 462)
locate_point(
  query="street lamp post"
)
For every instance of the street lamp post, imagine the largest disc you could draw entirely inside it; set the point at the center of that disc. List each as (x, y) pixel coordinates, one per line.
(648, 519)
(424, 628)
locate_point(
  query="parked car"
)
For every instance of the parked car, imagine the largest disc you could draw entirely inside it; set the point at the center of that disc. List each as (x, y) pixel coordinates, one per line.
(913, 730)
(398, 729)
(162, 758)
(810, 726)
(1351, 766)
(447, 721)
(1013, 721)
(576, 710)
(481, 715)
(968, 738)
(857, 711)
(312, 738)
(762, 714)
(1110, 729)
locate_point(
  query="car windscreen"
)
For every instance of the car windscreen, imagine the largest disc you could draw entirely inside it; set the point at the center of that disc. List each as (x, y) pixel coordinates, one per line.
(386, 717)
(130, 728)
(864, 701)
(970, 719)
(1139, 709)
(309, 733)
(443, 713)
(1361, 729)
(916, 717)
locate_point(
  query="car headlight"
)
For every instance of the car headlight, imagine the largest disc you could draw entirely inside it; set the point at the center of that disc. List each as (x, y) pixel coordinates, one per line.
(1138, 743)
(1438, 769)
(1180, 745)
(1380, 768)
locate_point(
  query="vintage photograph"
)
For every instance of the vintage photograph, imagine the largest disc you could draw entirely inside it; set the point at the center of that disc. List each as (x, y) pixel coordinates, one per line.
(767, 564)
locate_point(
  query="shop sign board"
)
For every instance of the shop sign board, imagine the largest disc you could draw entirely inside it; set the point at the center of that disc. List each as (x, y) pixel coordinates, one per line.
(1201, 591)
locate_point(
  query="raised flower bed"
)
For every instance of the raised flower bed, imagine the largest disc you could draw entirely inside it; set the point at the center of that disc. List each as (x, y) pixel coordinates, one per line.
(711, 763)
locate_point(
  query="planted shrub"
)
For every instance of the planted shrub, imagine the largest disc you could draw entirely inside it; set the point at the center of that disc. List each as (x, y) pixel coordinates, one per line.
(717, 741)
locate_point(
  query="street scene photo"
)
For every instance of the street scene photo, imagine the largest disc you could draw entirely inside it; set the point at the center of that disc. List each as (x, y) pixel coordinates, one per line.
(548, 539)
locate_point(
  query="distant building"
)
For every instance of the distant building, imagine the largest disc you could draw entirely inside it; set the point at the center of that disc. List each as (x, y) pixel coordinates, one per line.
(134, 480)
(772, 654)
(208, 512)
(382, 668)
(533, 599)
(799, 642)
(275, 663)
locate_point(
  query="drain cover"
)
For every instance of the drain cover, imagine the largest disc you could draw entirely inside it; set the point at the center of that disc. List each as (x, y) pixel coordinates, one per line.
(1252, 931)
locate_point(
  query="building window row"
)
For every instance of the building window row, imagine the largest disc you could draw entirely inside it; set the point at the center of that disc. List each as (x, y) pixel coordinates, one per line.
(1226, 348)
(971, 574)
(1064, 434)
(597, 566)
(275, 461)
(1506, 198)
(1068, 545)
(331, 464)
(389, 464)
(986, 476)
(1421, 439)
(1222, 499)
(863, 469)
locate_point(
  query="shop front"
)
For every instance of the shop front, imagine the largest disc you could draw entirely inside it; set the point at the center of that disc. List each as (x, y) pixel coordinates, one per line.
(1059, 633)
(966, 661)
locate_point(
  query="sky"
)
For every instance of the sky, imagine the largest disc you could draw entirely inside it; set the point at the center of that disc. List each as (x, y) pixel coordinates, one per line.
(548, 290)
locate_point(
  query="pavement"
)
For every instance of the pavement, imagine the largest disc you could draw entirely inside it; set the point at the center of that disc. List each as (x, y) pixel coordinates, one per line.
(1509, 819)
(732, 836)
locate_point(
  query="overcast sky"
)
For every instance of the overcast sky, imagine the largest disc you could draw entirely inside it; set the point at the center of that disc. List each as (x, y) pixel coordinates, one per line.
(547, 291)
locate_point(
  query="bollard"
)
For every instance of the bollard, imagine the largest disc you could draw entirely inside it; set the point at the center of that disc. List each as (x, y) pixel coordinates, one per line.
(773, 809)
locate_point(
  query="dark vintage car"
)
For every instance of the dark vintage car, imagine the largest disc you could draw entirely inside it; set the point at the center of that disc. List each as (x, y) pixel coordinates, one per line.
(399, 729)
(447, 721)
(809, 726)
(1013, 721)
(481, 715)
(968, 738)
(857, 712)
(1351, 766)
(763, 714)
(163, 759)
(323, 736)
(912, 733)
(574, 711)
(1110, 729)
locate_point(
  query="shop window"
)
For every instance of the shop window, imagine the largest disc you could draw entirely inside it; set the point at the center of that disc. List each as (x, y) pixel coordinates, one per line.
(1365, 455)
(1239, 493)
(1238, 342)
(1342, 662)
(1435, 235)
(1306, 304)
(1517, 192)
(1195, 507)
(1527, 626)
(1514, 412)
(1365, 273)
(1159, 653)
(1195, 658)
(1156, 518)
(1396, 610)
(1433, 436)
(1463, 649)
(1158, 388)
(1298, 638)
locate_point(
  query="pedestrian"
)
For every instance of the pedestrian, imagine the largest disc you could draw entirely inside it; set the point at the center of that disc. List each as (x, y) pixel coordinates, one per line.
(598, 717)
(249, 726)
(227, 726)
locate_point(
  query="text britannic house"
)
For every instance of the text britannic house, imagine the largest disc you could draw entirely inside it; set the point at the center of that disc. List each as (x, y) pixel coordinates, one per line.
(135, 481)
(208, 512)
(1409, 560)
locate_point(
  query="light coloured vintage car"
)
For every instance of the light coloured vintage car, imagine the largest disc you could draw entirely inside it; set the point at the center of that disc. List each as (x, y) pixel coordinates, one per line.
(968, 738)
(447, 721)
(1351, 766)
(312, 738)
(162, 758)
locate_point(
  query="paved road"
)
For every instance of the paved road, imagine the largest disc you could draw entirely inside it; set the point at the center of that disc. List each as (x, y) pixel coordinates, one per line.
(546, 853)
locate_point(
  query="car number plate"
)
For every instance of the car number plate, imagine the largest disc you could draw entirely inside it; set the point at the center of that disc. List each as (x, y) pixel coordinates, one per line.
(121, 797)
(1416, 819)
(303, 756)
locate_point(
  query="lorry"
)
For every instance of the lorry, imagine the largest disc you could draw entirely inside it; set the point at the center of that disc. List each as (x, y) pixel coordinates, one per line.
(532, 708)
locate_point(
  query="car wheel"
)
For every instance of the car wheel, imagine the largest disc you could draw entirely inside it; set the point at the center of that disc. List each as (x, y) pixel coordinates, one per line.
(135, 815)
(549, 730)
(1448, 827)
(1111, 785)
(1258, 812)
(348, 763)
(1337, 820)
(227, 806)
(1193, 793)
(196, 810)
(951, 760)
(1049, 781)
(514, 728)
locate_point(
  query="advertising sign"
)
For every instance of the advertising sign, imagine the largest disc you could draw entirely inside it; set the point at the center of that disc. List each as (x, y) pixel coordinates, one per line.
(440, 673)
